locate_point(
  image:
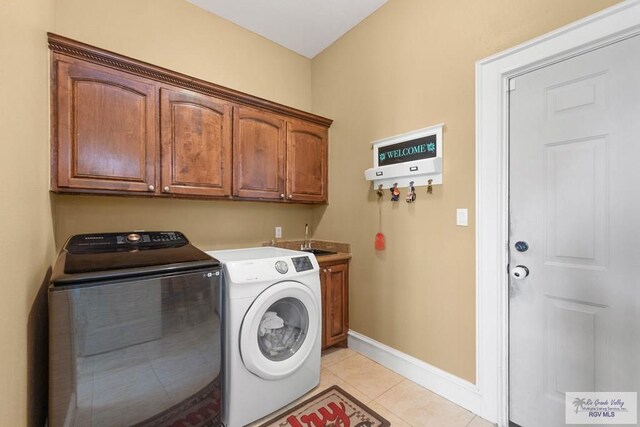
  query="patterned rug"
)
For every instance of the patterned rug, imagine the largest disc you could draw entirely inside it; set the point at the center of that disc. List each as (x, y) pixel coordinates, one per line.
(332, 407)
(200, 410)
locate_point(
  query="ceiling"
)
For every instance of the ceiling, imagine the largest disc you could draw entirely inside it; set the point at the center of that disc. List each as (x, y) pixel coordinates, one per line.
(304, 26)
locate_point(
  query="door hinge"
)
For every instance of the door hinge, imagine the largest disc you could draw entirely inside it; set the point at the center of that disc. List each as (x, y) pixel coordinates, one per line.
(512, 84)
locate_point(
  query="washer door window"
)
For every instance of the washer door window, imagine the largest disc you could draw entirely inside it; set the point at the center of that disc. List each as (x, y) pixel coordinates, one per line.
(279, 330)
(283, 329)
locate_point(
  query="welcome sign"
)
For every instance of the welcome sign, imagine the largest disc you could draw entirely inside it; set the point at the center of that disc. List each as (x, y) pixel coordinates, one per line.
(412, 157)
(416, 149)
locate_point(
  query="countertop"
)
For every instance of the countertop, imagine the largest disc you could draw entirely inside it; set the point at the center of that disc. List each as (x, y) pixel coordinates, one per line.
(343, 250)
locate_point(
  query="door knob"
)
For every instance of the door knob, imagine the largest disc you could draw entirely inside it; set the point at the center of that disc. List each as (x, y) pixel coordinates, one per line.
(519, 272)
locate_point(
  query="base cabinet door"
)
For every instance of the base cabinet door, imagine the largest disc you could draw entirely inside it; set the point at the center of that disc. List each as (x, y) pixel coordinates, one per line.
(335, 278)
(307, 152)
(105, 127)
(259, 152)
(195, 139)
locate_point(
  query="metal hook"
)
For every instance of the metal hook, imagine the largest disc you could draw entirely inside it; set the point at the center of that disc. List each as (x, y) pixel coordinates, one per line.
(395, 193)
(411, 195)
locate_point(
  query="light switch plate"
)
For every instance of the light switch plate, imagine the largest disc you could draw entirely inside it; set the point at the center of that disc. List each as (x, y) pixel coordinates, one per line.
(462, 217)
(278, 232)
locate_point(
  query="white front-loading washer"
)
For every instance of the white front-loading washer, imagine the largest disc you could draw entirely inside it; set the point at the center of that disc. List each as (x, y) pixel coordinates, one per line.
(273, 336)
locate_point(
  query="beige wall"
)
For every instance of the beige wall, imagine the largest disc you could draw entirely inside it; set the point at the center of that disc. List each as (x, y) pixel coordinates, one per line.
(26, 236)
(411, 65)
(177, 35)
(182, 37)
(208, 224)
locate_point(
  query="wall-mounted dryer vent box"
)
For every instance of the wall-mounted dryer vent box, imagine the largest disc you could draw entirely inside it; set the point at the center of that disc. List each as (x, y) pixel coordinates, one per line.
(413, 156)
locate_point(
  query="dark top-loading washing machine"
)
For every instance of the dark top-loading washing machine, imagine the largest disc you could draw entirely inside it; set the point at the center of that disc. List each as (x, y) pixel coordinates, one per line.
(135, 331)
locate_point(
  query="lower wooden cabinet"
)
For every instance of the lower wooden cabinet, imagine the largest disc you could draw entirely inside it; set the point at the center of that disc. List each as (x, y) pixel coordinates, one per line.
(334, 281)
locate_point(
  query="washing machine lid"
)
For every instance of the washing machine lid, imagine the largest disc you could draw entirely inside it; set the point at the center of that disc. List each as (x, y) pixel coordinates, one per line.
(280, 330)
(108, 256)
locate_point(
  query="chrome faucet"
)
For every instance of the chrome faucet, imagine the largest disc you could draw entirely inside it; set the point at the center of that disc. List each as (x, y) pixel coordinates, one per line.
(306, 244)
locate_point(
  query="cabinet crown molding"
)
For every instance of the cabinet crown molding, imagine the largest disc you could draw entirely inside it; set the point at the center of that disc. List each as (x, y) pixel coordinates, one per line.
(65, 46)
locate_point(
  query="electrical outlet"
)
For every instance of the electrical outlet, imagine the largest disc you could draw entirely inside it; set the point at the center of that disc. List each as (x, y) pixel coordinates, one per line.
(278, 232)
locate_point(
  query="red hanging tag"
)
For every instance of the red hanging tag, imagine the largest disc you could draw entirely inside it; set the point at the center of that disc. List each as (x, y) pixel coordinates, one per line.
(379, 242)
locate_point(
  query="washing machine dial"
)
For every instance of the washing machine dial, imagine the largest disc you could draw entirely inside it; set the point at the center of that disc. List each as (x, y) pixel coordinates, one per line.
(134, 238)
(282, 267)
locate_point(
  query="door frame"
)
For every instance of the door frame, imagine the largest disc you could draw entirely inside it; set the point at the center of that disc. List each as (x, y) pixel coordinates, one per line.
(492, 202)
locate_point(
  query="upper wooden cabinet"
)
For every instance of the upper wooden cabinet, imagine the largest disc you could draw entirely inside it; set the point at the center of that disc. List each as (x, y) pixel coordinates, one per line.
(195, 137)
(125, 127)
(258, 154)
(267, 148)
(307, 152)
(106, 129)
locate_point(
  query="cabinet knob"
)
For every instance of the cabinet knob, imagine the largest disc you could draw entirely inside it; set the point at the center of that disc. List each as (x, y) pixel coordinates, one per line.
(166, 189)
(329, 270)
(151, 187)
(291, 196)
(324, 270)
(282, 196)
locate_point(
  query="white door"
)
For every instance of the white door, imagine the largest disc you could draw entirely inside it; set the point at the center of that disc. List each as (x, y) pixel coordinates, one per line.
(575, 202)
(280, 330)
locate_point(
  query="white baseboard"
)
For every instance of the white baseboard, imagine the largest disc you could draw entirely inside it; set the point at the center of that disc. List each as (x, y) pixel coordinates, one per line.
(459, 391)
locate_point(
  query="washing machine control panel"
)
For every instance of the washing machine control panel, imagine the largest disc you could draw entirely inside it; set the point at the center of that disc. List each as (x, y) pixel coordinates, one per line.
(282, 267)
(302, 263)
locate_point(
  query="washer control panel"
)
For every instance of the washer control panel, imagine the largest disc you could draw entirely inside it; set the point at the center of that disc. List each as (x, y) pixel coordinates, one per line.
(266, 264)
(118, 242)
(282, 267)
(302, 263)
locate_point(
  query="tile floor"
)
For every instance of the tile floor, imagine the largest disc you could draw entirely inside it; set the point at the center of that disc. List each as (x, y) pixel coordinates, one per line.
(402, 402)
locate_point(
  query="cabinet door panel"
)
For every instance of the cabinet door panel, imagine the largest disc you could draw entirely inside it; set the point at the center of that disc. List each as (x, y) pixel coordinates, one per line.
(258, 150)
(106, 129)
(196, 143)
(337, 304)
(306, 162)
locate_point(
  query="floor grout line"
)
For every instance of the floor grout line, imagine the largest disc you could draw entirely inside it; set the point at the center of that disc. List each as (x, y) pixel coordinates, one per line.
(391, 410)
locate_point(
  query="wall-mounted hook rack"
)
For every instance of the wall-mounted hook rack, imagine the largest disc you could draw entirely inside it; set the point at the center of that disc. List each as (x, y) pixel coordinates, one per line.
(413, 156)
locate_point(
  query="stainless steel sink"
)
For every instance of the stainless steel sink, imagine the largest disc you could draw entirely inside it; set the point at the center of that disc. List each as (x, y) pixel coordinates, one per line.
(318, 251)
